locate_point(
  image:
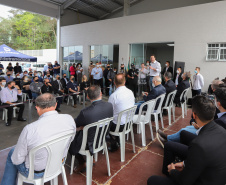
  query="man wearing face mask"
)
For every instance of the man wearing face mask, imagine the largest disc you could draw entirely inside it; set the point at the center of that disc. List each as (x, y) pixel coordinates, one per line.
(35, 87)
(64, 82)
(39, 77)
(158, 90)
(49, 77)
(17, 69)
(123, 70)
(8, 77)
(133, 79)
(2, 83)
(107, 82)
(111, 77)
(97, 73)
(198, 82)
(56, 69)
(177, 76)
(167, 68)
(73, 87)
(17, 79)
(9, 97)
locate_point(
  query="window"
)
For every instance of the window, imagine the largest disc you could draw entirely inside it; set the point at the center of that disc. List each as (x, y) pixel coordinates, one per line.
(216, 52)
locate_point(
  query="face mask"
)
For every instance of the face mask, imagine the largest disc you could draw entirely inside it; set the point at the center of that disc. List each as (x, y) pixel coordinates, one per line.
(36, 80)
(12, 87)
(122, 68)
(196, 71)
(147, 64)
(3, 83)
(216, 103)
(25, 79)
(108, 67)
(30, 74)
(48, 75)
(115, 71)
(79, 66)
(58, 78)
(177, 71)
(64, 76)
(8, 74)
(166, 65)
(153, 85)
(73, 79)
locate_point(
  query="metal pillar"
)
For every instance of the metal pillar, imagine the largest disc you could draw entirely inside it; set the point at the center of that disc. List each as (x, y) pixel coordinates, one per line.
(59, 49)
(126, 7)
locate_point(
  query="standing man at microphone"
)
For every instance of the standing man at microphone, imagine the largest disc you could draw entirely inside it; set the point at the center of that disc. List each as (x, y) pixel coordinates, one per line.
(155, 70)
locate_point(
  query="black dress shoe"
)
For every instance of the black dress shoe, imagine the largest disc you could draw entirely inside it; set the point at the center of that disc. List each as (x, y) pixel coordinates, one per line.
(112, 149)
(7, 124)
(58, 110)
(21, 119)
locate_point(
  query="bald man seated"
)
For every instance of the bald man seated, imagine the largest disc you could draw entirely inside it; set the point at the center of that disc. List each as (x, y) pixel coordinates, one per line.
(158, 90)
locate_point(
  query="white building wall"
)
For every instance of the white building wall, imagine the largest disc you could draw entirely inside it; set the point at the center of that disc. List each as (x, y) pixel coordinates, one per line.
(191, 28)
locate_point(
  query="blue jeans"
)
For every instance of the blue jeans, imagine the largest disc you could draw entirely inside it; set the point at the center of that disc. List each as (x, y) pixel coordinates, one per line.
(176, 137)
(34, 95)
(150, 82)
(138, 106)
(110, 89)
(11, 170)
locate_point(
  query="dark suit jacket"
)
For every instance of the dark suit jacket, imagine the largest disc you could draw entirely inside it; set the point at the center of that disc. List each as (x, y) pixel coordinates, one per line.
(154, 93)
(221, 121)
(206, 161)
(96, 111)
(55, 86)
(45, 89)
(179, 78)
(170, 87)
(170, 69)
(64, 83)
(180, 88)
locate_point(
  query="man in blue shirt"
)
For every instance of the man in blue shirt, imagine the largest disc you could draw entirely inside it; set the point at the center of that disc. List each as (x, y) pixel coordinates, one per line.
(56, 69)
(97, 73)
(73, 87)
(8, 77)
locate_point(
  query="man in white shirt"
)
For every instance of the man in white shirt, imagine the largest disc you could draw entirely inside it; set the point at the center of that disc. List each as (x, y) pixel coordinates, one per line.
(45, 69)
(35, 134)
(155, 70)
(198, 82)
(122, 99)
(97, 74)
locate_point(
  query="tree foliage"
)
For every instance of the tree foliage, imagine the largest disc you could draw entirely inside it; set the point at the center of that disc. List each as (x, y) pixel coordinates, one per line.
(25, 30)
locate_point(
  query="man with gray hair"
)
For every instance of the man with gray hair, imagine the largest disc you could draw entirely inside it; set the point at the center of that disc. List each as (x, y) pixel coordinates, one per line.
(158, 89)
(49, 126)
(98, 110)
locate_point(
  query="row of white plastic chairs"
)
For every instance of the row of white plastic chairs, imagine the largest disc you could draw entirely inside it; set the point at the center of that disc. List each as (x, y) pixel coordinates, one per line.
(56, 146)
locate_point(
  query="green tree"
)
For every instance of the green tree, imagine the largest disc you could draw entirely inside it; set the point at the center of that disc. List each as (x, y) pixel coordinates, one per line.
(25, 30)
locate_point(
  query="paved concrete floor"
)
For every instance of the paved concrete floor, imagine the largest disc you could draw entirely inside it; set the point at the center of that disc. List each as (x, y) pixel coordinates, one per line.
(135, 170)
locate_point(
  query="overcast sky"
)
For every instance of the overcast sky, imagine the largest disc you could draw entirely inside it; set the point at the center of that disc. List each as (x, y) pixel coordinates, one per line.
(4, 11)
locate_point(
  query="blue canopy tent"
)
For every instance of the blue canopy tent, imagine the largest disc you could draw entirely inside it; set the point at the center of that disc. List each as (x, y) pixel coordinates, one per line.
(74, 57)
(9, 54)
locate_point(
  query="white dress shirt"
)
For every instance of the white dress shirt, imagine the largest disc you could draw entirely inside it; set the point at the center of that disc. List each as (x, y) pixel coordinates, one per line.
(45, 69)
(198, 82)
(143, 73)
(99, 72)
(9, 95)
(121, 100)
(157, 66)
(48, 126)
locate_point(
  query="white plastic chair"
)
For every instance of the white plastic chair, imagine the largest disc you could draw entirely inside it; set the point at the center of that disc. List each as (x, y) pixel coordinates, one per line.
(70, 98)
(169, 105)
(97, 147)
(183, 96)
(24, 97)
(5, 113)
(158, 111)
(56, 152)
(141, 119)
(128, 128)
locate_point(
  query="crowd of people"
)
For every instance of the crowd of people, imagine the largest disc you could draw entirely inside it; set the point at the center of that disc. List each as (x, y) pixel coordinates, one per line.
(194, 155)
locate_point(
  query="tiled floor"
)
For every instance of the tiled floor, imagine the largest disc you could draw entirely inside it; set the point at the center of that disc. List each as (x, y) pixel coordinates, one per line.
(137, 167)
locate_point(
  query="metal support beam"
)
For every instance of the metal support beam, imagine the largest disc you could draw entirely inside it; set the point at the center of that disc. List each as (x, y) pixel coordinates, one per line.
(67, 3)
(126, 7)
(95, 5)
(59, 49)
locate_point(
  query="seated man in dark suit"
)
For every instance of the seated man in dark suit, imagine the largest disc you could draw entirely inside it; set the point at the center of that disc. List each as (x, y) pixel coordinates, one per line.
(169, 86)
(154, 93)
(205, 158)
(48, 88)
(98, 110)
(220, 102)
(64, 82)
(184, 84)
